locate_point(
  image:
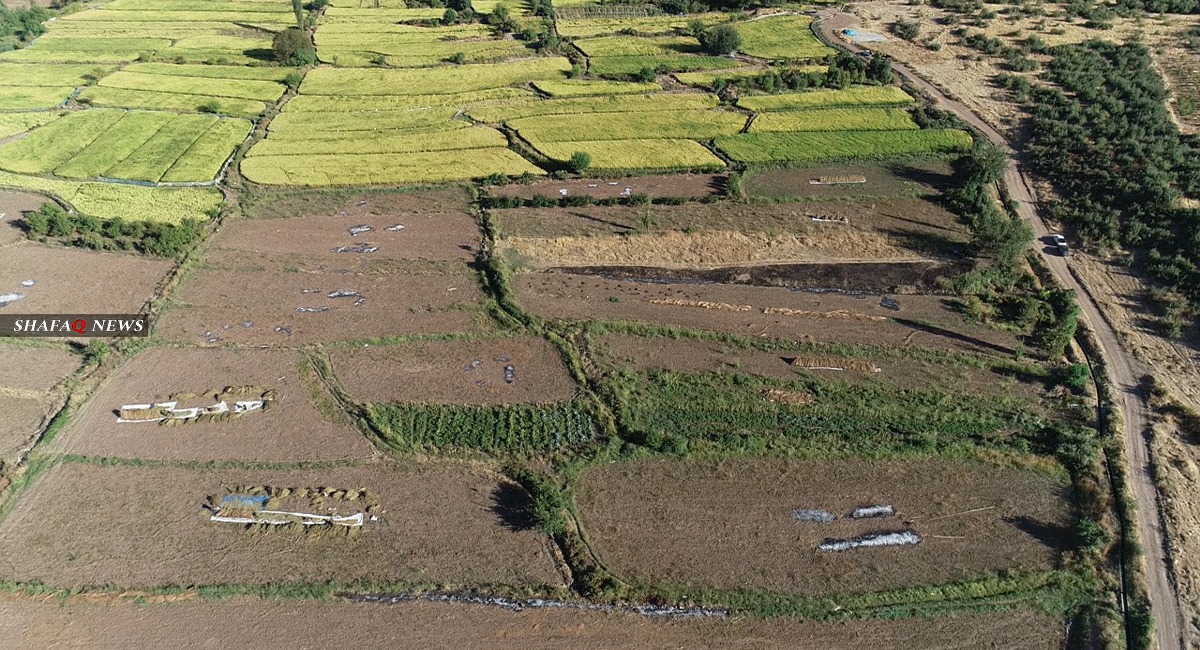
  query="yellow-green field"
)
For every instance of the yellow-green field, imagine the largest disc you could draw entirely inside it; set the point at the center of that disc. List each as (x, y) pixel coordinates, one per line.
(671, 125)
(443, 80)
(639, 154)
(786, 147)
(849, 97)
(511, 110)
(594, 88)
(834, 119)
(116, 201)
(384, 169)
(781, 37)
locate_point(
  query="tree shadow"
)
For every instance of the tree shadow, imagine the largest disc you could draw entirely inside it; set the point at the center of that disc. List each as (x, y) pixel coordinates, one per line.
(941, 331)
(926, 177)
(1055, 536)
(260, 54)
(511, 504)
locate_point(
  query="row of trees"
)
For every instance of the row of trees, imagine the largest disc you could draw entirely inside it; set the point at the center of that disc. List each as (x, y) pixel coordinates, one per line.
(19, 26)
(1120, 166)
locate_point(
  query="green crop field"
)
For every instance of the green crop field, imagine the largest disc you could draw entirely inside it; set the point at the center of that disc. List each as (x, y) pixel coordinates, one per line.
(446, 80)
(151, 160)
(14, 123)
(334, 34)
(469, 137)
(203, 160)
(313, 125)
(590, 88)
(55, 49)
(424, 54)
(640, 154)
(849, 97)
(647, 26)
(501, 112)
(834, 119)
(114, 145)
(634, 46)
(56, 143)
(359, 103)
(335, 15)
(384, 169)
(678, 125)
(492, 428)
(706, 80)
(49, 74)
(127, 145)
(264, 91)
(24, 98)
(124, 98)
(781, 147)
(199, 5)
(129, 202)
(226, 72)
(104, 15)
(623, 65)
(782, 37)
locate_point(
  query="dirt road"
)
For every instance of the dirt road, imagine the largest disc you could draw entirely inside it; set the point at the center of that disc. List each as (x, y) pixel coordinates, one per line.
(1122, 367)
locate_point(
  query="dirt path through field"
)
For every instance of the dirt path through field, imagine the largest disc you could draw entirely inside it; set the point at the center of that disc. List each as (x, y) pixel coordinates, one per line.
(1122, 367)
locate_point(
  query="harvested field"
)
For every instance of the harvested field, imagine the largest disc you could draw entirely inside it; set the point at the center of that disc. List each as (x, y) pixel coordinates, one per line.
(922, 320)
(12, 206)
(730, 525)
(916, 178)
(23, 418)
(459, 627)
(143, 526)
(217, 304)
(620, 351)
(846, 230)
(74, 280)
(35, 367)
(300, 423)
(455, 372)
(673, 185)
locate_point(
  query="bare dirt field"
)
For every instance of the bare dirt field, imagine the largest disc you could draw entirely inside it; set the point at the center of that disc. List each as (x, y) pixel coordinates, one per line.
(35, 367)
(12, 205)
(142, 526)
(922, 321)
(296, 308)
(310, 278)
(301, 423)
(74, 280)
(23, 418)
(918, 178)
(692, 355)
(462, 627)
(730, 525)
(672, 185)
(455, 372)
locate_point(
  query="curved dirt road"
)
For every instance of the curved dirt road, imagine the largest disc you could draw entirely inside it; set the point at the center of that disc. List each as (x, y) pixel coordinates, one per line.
(1123, 369)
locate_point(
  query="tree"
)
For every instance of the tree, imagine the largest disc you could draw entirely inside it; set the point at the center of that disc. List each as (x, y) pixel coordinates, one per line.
(721, 40)
(580, 160)
(449, 17)
(880, 69)
(292, 46)
(298, 10)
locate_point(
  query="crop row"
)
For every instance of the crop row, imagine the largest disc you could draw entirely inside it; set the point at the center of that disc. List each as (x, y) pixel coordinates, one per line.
(445, 80)
(635, 154)
(43, 74)
(420, 55)
(375, 142)
(490, 428)
(151, 100)
(594, 88)
(629, 65)
(130, 202)
(324, 104)
(384, 169)
(848, 97)
(652, 25)
(835, 119)
(511, 110)
(24, 98)
(679, 125)
(263, 91)
(781, 37)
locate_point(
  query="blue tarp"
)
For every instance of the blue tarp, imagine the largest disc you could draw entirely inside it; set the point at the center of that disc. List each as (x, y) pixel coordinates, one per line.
(244, 500)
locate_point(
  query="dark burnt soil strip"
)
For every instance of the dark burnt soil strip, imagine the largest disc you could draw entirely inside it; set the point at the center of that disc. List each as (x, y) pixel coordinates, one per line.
(867, 277)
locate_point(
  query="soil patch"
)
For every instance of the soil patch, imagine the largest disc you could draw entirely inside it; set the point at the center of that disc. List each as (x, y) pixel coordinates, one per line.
(74, 280)
(670, 185)
(897, 277)
(731, 526)
(13, 205)
(142, 526)
(918, 178)
(301, 422)
(35, 368)
(918, 320)
(456, 372)
(459, 627)
(23, 419)
(296, 308)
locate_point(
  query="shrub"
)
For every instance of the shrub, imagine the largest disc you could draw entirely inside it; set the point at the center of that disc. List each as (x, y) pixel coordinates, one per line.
(458, 58)
(721, 40)
(449, 17)
(292, 46)
(909, 30)
(580, 160)
(546, 502)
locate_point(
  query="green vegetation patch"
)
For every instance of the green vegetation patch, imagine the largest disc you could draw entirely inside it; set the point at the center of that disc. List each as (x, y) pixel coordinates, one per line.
(125, 98)
(634, 46)
(511, 110)
(49, 74)
(781, 37)
(14, 123)
(521, 428)
(849, 97)
(321, 126)
(203, 160)
(114, 145)
(151, 160)
(751, 414)
(639, 154)
(632, 65)
(689, 125)
(446, 80)
(782, 147)
(54, 144)
(643, 26)
(131, 202)
(835, 119)
(467, 137)
(265, 91)
(24, 98)
(360, 103)
(262, 73)
(590, 87)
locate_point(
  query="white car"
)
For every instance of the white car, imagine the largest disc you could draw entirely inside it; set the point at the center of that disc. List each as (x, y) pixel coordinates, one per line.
(1059, 240)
